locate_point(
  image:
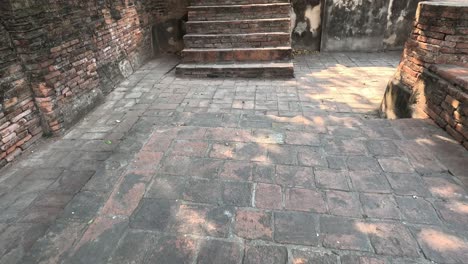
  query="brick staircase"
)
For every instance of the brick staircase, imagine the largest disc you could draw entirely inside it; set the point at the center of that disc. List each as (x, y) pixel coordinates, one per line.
(237, 38)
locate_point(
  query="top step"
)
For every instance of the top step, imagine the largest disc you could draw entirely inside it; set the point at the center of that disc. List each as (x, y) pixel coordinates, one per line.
(238, 12)
(234, 2)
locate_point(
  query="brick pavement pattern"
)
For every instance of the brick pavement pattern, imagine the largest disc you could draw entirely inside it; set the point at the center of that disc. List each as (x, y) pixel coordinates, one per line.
(171, 170)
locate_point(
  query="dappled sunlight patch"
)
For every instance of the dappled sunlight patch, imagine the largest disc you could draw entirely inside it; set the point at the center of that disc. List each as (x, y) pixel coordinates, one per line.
(447, 139)
(440, 241)
(424, 141)
(444, 187)
(267, 137)
(444, 191)
(459, 207)
(367, 228)
(193, 219)
(300, 261)
(225, 151)
(300, 120)
(390, 238)
(352, 71)
(273, 148)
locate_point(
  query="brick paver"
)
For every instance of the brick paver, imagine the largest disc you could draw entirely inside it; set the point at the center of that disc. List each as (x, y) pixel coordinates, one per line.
(172, 170)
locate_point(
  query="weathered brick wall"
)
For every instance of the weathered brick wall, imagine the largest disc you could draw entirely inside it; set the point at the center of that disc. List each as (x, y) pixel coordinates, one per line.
(439, 38)
(19, 118)
(65, 56)
(446, 95)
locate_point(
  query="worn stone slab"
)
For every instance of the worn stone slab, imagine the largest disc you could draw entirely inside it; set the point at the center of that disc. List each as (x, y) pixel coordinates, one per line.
(391, 239)
(296, 228)
(302, 256)
(343, 233)
(265, 254)
(173, 249)
(153, 214)
(417, 210)
(252, 224)
(332, 179)
(441, 245)
(99, 241)
(367, 181)
(204, 220)
(268, 196)
(381, 206)
(216, 251)
(343, 203)
(295, 176)
(305, 200)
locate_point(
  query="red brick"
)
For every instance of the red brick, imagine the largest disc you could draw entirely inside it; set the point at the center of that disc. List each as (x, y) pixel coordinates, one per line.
(268, 196)
(147, 160)
(252, 224)
(237, 170)
(189, 148)
(305, 200)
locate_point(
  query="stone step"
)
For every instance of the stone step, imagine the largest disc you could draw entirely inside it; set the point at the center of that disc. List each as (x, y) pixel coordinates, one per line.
(239, 26)
(242, 70)
(236, 55)
(237, 38)
(238, 12)
(226, 41)
(234, 2)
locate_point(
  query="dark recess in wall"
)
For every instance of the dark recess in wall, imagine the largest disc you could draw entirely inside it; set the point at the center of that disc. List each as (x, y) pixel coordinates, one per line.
(168, 36)
(302, 35)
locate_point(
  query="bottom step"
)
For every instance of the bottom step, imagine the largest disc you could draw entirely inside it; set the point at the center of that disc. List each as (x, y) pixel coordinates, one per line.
(241, 70)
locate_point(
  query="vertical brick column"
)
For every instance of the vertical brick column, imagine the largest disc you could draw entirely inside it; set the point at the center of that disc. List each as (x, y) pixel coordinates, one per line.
(19, 118)
(438, 37)
(431, 79)
(31, 28)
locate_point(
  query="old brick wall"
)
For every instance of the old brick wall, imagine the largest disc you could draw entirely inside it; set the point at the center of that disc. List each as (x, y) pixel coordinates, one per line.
(418, 89)
(19, 118)
(446, 96)
(59, 58)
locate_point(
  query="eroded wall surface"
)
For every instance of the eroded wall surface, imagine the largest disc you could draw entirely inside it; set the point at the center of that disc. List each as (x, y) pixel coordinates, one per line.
(306, 24)
(351, 25)
(354, 24)
(400, 19)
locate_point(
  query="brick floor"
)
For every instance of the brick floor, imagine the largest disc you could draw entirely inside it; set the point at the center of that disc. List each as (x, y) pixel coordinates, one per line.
(172, 170)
